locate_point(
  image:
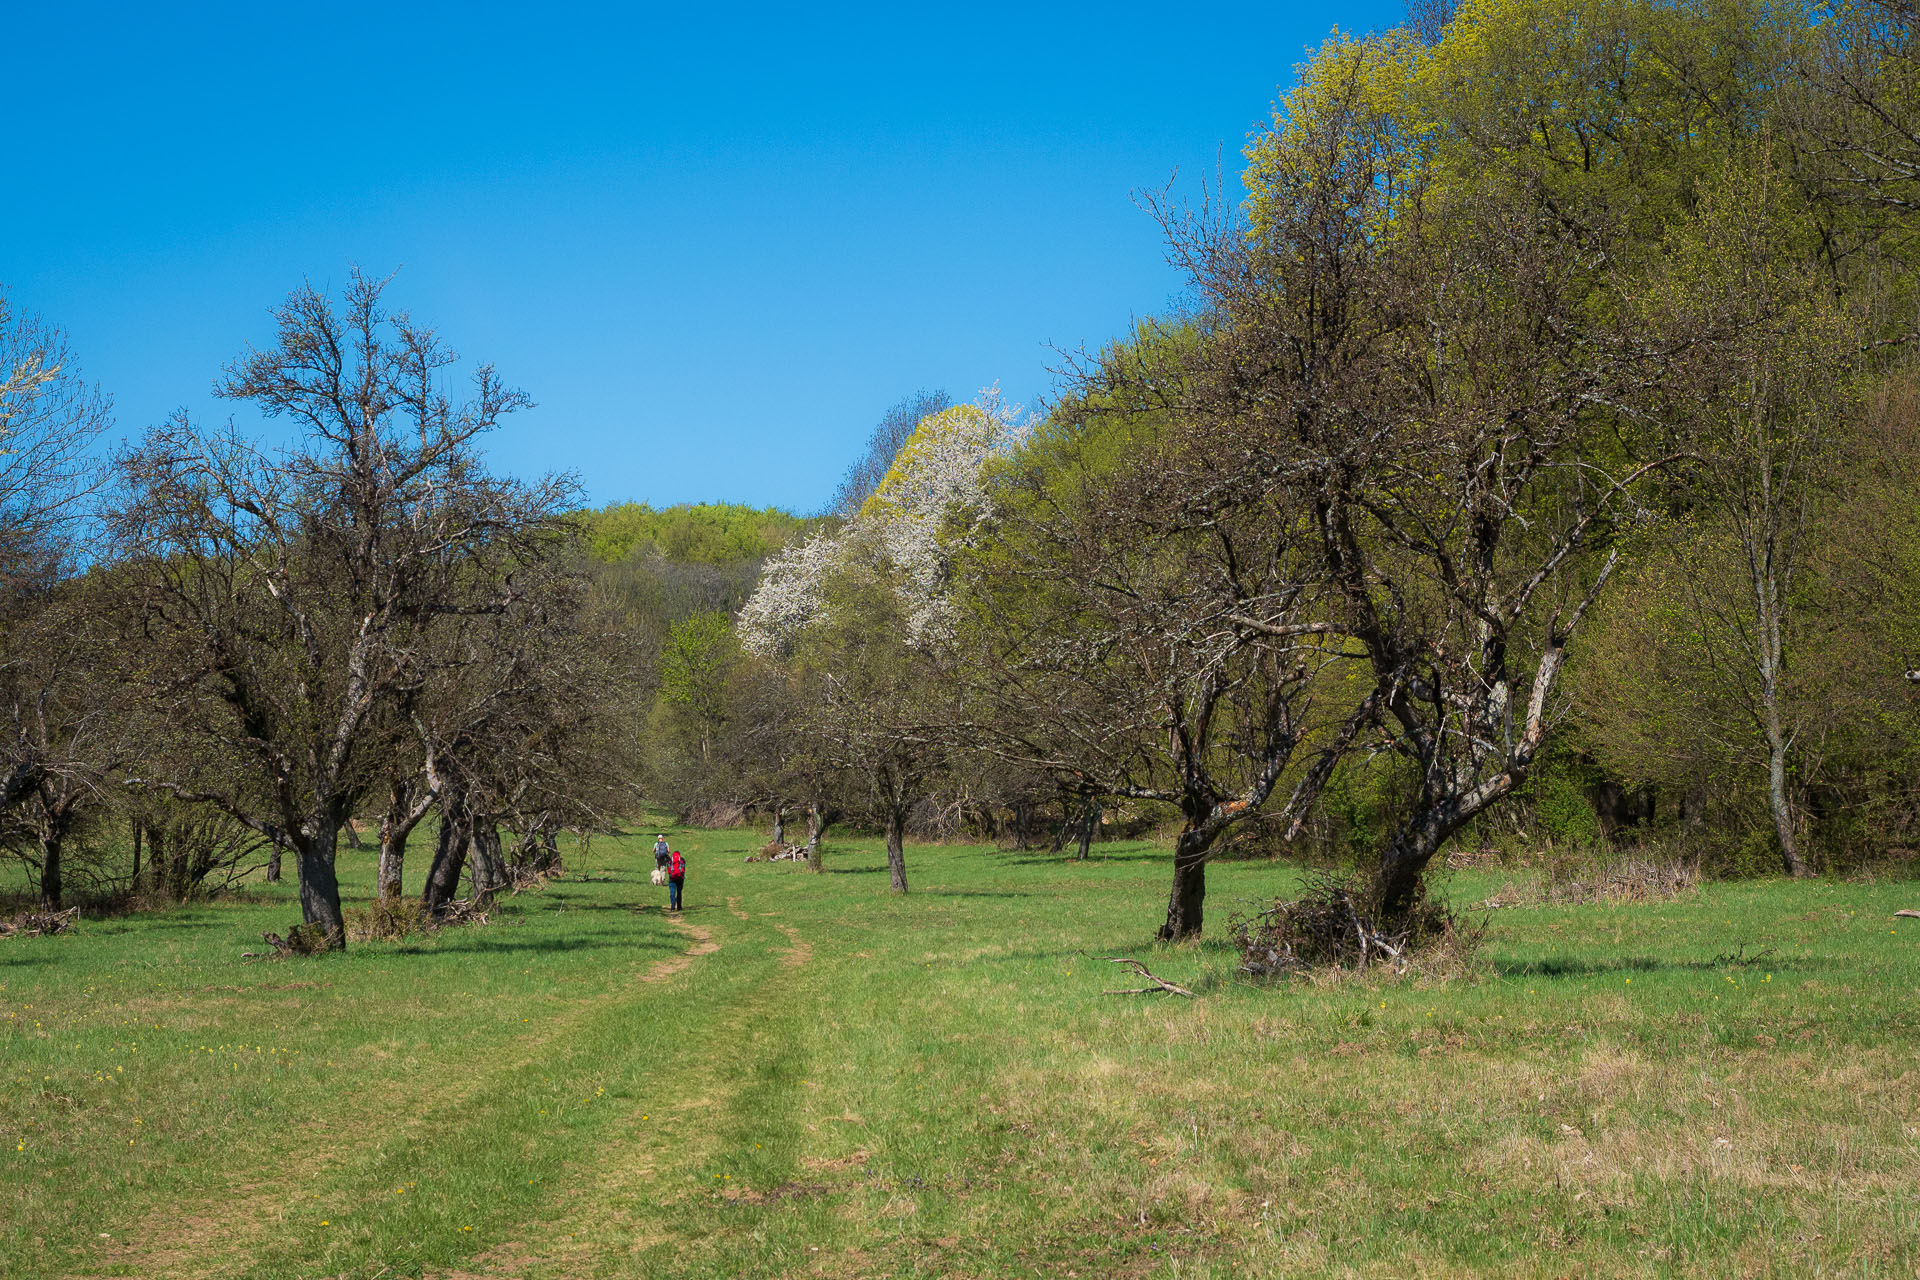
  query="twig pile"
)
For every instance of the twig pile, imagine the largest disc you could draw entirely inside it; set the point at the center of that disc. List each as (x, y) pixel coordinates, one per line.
(1634, 880)
(1334, 925)
(779, 853)
(38, 924)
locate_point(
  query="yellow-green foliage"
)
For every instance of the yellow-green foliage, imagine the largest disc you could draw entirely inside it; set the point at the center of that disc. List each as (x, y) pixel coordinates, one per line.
(716, 533)
(1618, 108)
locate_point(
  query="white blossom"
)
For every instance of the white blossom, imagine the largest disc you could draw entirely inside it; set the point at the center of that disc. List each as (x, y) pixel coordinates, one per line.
(790, 594)
(927, 503)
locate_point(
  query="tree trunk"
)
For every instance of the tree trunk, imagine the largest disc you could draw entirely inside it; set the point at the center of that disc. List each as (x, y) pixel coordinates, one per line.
(273, 864)
(1089, 824)
(136, 854)
(489, 868)
(449, 859)
(779, 825)
(161, 863)
(319, 889)
(393, 855)
(539, 848)
(51, 888)
(1777, 797)
(1186, 904)
(353, 834)
(896, 854)
(179, 864)
(1022, 814)
(1777, 746)
(1398, 889)
(817, 819)
(1066, 824)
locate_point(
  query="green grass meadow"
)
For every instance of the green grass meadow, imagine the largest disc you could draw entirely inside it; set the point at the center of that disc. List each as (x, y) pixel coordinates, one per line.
(808, 1076)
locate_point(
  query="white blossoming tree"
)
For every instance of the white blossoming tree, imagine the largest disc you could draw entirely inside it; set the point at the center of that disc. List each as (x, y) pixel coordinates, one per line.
(862, 615)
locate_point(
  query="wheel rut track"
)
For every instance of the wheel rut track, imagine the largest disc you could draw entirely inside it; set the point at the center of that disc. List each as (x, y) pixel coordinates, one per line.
(634, 1171)
(176, 1241)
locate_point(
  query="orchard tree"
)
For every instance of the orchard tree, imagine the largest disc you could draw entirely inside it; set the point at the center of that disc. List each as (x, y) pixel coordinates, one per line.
(1439, 353)
(281, 594)
(1144, 621)
(49, 417)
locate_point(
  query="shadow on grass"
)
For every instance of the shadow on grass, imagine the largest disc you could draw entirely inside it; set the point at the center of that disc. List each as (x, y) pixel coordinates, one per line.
(1031, 858)
(479, 944)
(941, 891)
(1560, 967)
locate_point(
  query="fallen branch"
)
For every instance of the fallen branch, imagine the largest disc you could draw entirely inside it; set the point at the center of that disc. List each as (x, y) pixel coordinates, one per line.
(1159, 984)
(1909, 913)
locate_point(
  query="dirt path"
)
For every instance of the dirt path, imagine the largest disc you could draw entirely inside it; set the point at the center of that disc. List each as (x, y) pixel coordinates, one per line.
(179, 1240)
(703, 945)
(799, 952)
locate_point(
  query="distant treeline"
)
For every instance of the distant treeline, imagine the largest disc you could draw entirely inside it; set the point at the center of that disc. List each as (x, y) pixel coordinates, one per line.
(720, 534)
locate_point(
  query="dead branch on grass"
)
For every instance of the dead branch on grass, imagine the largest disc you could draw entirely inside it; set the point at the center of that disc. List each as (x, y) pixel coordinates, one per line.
(1160, 985)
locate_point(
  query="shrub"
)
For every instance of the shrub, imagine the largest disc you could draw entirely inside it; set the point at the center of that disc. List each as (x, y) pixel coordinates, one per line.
(387, 920)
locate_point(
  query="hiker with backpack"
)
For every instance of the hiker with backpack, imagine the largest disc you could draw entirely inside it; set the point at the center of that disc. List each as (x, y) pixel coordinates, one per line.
(676, 878)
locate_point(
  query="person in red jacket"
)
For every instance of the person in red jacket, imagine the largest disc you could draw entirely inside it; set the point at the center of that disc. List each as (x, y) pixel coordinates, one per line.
(676, 878)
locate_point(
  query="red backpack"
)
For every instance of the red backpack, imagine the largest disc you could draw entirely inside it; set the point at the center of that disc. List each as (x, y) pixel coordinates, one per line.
(676, 865)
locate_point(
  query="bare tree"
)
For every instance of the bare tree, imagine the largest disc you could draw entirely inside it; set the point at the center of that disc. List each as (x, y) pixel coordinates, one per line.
(893, 431)
(281, 593)
(49, 417)
(1144, 624)
(525, 723)
(1467, 410)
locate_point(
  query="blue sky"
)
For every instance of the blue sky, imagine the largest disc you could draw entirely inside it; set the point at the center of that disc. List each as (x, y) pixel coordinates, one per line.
(714, 246)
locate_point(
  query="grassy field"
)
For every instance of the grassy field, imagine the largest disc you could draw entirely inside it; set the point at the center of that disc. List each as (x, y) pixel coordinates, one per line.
(806, 1076)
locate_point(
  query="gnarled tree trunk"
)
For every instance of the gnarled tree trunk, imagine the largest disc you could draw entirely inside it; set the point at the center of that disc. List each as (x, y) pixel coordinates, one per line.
(489, 867)
(449, 855)
(1089, 825)
(1186, 904)
(51, 887)
(314, 851)
(404, 811)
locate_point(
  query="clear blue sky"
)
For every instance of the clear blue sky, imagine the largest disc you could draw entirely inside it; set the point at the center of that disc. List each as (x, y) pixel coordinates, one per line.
(713, 244)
